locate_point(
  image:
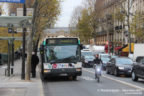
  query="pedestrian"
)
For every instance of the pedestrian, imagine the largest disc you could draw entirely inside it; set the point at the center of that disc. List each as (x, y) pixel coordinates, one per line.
(34, 63)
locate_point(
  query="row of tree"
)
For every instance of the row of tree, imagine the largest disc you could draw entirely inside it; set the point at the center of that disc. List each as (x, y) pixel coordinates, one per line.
(92, 15)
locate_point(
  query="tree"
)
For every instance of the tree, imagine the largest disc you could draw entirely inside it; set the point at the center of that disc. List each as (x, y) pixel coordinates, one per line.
(137, 27)
(84, 18)
(84, 27)
(74, 20)
(45, 15)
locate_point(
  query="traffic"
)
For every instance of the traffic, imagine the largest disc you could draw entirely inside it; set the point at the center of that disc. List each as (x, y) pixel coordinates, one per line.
(63, 56)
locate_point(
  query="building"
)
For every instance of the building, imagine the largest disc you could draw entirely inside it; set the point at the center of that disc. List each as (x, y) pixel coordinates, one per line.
(113, 21)
(57, 31)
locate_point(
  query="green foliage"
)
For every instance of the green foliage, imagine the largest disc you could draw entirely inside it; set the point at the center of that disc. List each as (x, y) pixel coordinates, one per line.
(119, 16)
(84, 29)
(45, 17)
(137, 26)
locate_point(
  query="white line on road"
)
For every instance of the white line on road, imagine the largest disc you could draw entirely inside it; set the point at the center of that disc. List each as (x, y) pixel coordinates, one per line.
(122, 82)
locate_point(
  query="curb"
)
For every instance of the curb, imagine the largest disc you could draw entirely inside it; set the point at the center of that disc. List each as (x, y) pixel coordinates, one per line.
(40, 84)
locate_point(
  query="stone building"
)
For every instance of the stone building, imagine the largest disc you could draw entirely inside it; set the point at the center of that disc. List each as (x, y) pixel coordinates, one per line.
(113, 22)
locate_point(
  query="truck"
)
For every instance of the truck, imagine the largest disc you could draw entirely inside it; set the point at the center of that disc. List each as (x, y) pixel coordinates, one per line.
(138, 51)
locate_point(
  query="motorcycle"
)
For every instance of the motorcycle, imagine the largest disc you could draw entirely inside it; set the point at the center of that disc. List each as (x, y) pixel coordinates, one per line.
(98, 71)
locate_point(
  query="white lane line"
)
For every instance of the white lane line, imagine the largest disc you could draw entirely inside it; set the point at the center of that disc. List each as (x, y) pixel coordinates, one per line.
(122, 82)
(87, 78)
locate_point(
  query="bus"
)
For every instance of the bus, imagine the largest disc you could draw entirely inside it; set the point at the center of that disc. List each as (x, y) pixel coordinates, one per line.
(61, 57)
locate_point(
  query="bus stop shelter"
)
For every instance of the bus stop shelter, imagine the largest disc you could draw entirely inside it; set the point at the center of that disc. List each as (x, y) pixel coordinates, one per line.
(13, 22)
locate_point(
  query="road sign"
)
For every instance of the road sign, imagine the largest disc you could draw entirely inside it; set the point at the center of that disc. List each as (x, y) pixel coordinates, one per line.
(13, 1)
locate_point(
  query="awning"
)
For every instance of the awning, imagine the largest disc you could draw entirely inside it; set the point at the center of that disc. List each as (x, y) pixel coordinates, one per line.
(117, 48)
(16, 21)
(126, 49)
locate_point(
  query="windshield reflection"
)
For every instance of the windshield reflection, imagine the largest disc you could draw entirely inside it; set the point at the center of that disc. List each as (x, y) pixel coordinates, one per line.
(62, 54)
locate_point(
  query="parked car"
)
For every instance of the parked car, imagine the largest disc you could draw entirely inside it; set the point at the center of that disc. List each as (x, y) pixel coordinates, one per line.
(0, 59)
(119, 66)
(138, 69)
(105, 61)
(88, 61)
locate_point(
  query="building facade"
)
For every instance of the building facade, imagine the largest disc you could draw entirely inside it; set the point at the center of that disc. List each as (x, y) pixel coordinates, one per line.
(113, 20)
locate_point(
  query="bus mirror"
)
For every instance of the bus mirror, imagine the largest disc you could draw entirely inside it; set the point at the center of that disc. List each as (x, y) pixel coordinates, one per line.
(81, 46)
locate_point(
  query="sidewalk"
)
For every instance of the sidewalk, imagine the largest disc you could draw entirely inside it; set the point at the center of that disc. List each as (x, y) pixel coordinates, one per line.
(14, 86)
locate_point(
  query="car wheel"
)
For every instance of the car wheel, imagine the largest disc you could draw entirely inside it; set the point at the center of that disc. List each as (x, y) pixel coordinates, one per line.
(107, 72)
(134, 77)
(74, 77)
(116, 72)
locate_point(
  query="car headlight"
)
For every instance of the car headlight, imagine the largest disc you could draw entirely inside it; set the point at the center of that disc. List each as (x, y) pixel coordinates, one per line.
(121, 68)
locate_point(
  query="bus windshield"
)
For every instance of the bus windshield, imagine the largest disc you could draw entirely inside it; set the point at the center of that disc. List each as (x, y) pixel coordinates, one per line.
(62, 54)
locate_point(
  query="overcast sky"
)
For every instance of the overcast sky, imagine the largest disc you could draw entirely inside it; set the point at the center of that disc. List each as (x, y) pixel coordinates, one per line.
(67, 8)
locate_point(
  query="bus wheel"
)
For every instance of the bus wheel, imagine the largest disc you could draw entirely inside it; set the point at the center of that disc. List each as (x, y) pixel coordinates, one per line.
(74, 77)
(43, 77)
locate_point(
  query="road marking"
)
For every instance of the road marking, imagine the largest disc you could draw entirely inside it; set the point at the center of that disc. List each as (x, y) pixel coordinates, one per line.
(122, 82)
(87, 78)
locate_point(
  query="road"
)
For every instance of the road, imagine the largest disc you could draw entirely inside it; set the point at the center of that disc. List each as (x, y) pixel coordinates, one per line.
(86, 85)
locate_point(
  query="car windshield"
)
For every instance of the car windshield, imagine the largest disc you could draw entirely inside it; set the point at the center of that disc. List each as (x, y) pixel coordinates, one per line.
(86, 53)
(62, 54)
(105, 59)
(104, 56)
(124, 61)
(89, 57)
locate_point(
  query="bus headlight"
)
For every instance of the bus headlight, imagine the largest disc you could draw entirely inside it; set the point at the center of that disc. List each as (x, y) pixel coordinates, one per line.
(47, 71)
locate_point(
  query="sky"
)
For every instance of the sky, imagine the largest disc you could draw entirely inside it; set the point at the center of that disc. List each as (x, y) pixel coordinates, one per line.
(4, 8)
(67, 8)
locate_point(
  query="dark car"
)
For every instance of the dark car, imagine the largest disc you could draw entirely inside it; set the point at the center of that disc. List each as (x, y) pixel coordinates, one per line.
(119, 66)
(105, 61)
(87, 61)
(0, 59)
(138, 69)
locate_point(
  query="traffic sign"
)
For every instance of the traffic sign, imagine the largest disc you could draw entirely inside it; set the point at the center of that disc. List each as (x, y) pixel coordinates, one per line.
(13, 1)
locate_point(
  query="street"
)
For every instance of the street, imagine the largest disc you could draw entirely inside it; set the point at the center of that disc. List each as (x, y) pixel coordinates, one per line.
(86, 85)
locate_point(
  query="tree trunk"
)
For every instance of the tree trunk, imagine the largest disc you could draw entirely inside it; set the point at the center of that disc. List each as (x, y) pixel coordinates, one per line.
(36, 45)
(29, 44)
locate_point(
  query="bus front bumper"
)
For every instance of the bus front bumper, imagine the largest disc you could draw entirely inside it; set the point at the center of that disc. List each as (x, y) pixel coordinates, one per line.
(63, 72)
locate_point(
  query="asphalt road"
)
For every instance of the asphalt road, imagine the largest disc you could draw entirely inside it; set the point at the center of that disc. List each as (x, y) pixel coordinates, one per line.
(86, 85)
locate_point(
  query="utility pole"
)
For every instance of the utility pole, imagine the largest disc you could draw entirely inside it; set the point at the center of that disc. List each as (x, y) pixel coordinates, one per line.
(12, 70)
(108, 18)
(23, 51)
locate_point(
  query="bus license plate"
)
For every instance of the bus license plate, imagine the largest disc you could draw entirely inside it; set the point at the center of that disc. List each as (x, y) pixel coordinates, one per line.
(63, 74)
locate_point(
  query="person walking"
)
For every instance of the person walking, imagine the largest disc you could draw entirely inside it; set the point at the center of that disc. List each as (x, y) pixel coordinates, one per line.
(34, 63)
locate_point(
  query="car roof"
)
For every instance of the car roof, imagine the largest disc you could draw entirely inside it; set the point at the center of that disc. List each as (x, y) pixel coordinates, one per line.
(122, 58)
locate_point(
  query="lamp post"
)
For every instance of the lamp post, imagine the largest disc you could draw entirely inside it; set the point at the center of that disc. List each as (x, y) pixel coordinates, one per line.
(23, 51)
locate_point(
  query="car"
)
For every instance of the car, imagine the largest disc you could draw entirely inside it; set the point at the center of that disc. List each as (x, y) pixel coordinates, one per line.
(114, 56)
(0, 59)
(104, 55)
(87, 61)
(119, 66)
(104, 61)
(86, 53)
(138, 69)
